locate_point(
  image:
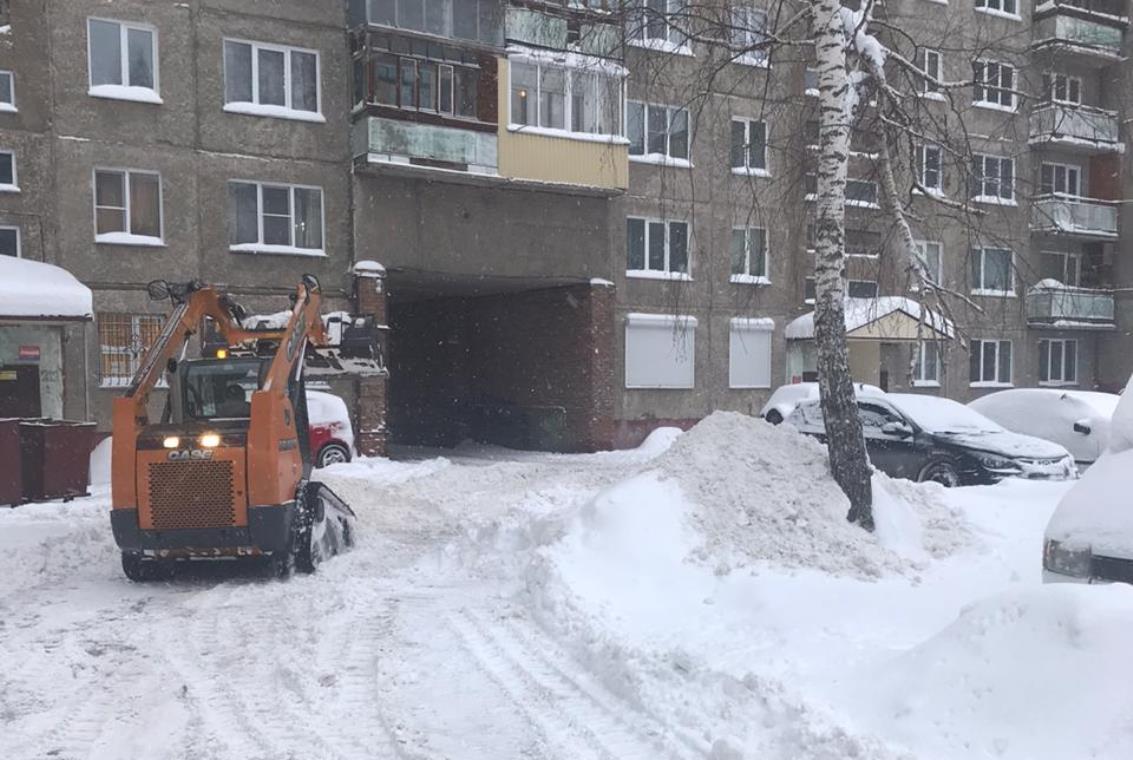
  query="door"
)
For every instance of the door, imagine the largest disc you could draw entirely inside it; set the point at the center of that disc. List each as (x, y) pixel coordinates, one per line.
(891, 452)
(19, 391)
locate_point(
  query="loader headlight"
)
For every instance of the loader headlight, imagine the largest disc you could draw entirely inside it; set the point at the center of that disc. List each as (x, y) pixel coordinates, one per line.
(171, 442)
(1067, 559)
(209, 440)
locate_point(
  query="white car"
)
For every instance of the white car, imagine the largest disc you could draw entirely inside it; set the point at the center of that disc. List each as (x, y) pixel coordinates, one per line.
(786, 397)
(1089, 539)
(1078, 420)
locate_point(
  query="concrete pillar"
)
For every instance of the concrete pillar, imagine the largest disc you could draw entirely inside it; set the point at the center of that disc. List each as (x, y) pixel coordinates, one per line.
(602, 298)
(371, 401)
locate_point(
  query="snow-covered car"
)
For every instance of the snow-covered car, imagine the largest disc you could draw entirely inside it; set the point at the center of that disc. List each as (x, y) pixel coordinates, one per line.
(1089, 538)
(786, 397)
(330, 433)
(1078, 420)
(926, 438)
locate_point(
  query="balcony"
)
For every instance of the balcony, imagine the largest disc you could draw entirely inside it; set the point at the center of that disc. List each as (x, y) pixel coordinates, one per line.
(1077, 128)
(379, 140)
(1081, 217)
(1067, 33)
(1052, 304)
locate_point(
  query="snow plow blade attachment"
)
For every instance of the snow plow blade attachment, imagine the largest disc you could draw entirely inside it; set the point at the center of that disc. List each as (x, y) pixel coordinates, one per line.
(333, 525)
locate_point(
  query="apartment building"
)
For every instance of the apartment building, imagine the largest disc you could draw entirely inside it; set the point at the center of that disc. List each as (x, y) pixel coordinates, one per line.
(589, 222)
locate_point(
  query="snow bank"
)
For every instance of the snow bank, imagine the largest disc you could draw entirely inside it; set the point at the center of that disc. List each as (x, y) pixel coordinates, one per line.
(1039, 672)
(100, 463)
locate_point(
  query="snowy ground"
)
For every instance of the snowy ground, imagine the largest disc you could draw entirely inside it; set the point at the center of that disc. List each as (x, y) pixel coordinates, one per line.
(618, 605)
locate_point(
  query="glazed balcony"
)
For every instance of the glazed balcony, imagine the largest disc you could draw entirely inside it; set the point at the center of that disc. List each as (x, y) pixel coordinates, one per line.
(1079, 217)
(1051, 304)
(1075, 128)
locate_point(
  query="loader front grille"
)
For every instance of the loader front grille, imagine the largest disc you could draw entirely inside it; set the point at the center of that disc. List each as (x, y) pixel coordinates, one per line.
(191, 495)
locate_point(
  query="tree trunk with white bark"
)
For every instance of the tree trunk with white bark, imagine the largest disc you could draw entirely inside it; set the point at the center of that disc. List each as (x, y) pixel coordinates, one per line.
(845, 443)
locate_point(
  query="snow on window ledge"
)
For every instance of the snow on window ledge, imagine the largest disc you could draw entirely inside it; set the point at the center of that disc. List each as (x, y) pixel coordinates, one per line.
(660, 159)
(653, 274)
(285, 250)
(927, 383)
(931, 192)
(1058, 383)
(994, 106)
(754, 61)
(9, 188)
(662, 46)
(811, 92)
(274, 112)
(989, 384)
(125, 92)
(566, 134)
(750, 279)
(938, 96)
(126, 238)
(993, 293)
(8, 108)
(994, 200)
(744, 171)
(998, 13)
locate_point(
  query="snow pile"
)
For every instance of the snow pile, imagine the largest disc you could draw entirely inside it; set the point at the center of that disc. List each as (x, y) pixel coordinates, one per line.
(33, 289)
(764, 493)
(100, 463)
(1010, 668)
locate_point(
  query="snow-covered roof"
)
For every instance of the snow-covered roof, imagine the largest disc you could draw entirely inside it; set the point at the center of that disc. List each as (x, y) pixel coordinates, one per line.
(35, 290)
(861, 312)
(369, 268)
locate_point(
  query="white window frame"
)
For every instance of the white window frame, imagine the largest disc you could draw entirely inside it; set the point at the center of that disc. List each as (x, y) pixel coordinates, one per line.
(260, 246)
(255, 108)
(930, 89)
(920, 377)
(674, 40)
(986, 86)
(981, 344)
(677, 328)
(922, 253)
(1062, 379)
(14, 186)
(761, 332)
(1068, 171)
(661, 159)
(666, 273)
(746, 277)
(9, 106)
(19, 239)
(996, 8)
(569, 71)
(125, 91)
(747, 169)
(744, 34)
(922, 169)
(1000, 198)
(126, 237)
(1051, 82)
(977, 287)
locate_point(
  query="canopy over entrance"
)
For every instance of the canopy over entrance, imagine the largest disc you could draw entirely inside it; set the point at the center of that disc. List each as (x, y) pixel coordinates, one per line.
(886, 319)
(35, 291)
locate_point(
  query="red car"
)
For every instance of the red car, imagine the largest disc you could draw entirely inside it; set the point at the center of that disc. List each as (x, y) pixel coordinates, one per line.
(330, 435)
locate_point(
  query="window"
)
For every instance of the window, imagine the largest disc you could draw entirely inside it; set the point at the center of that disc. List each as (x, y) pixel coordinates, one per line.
(1058, 362)
(474, 20)
(8, 182)
(127, 207)
(994, 84)
(861, 289)
(749, 146)
(749, 34)
(269, 80)
(749, 353)
(930, 164)
(575, 100)
(1005, 7)
(1062, 88)
(656, 247)
(990, 362)
(810, 82)
(993, 179)
(991, 272)
(654, 23)
(865, 244)
(859, 192)
(657, 132)
(749, 256)
(1061, 179)
(123, 60)
(931, 254)
(275, 218)
(7, 91)
(927, 370)
(932, 64)
(660, 351)
(123, 340)
(1066, 268)
(9, 241)
(409, 82)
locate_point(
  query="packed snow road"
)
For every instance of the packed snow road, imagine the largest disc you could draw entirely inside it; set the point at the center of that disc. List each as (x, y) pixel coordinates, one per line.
(701, 597)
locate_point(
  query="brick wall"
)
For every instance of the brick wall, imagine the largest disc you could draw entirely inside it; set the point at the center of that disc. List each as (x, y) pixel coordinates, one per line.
(371, 433)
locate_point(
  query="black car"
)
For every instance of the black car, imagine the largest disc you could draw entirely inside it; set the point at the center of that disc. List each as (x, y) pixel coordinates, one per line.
(928, 438)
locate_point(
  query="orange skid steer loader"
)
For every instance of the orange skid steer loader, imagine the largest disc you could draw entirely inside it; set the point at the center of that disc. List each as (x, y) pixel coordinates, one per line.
(224, 472)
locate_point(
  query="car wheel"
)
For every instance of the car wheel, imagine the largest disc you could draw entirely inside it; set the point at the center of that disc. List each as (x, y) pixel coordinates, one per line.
(773, 417)
(332, 453)
(942, 471)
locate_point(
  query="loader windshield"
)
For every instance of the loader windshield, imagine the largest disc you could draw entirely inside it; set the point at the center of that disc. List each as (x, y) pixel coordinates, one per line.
(220, 388)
